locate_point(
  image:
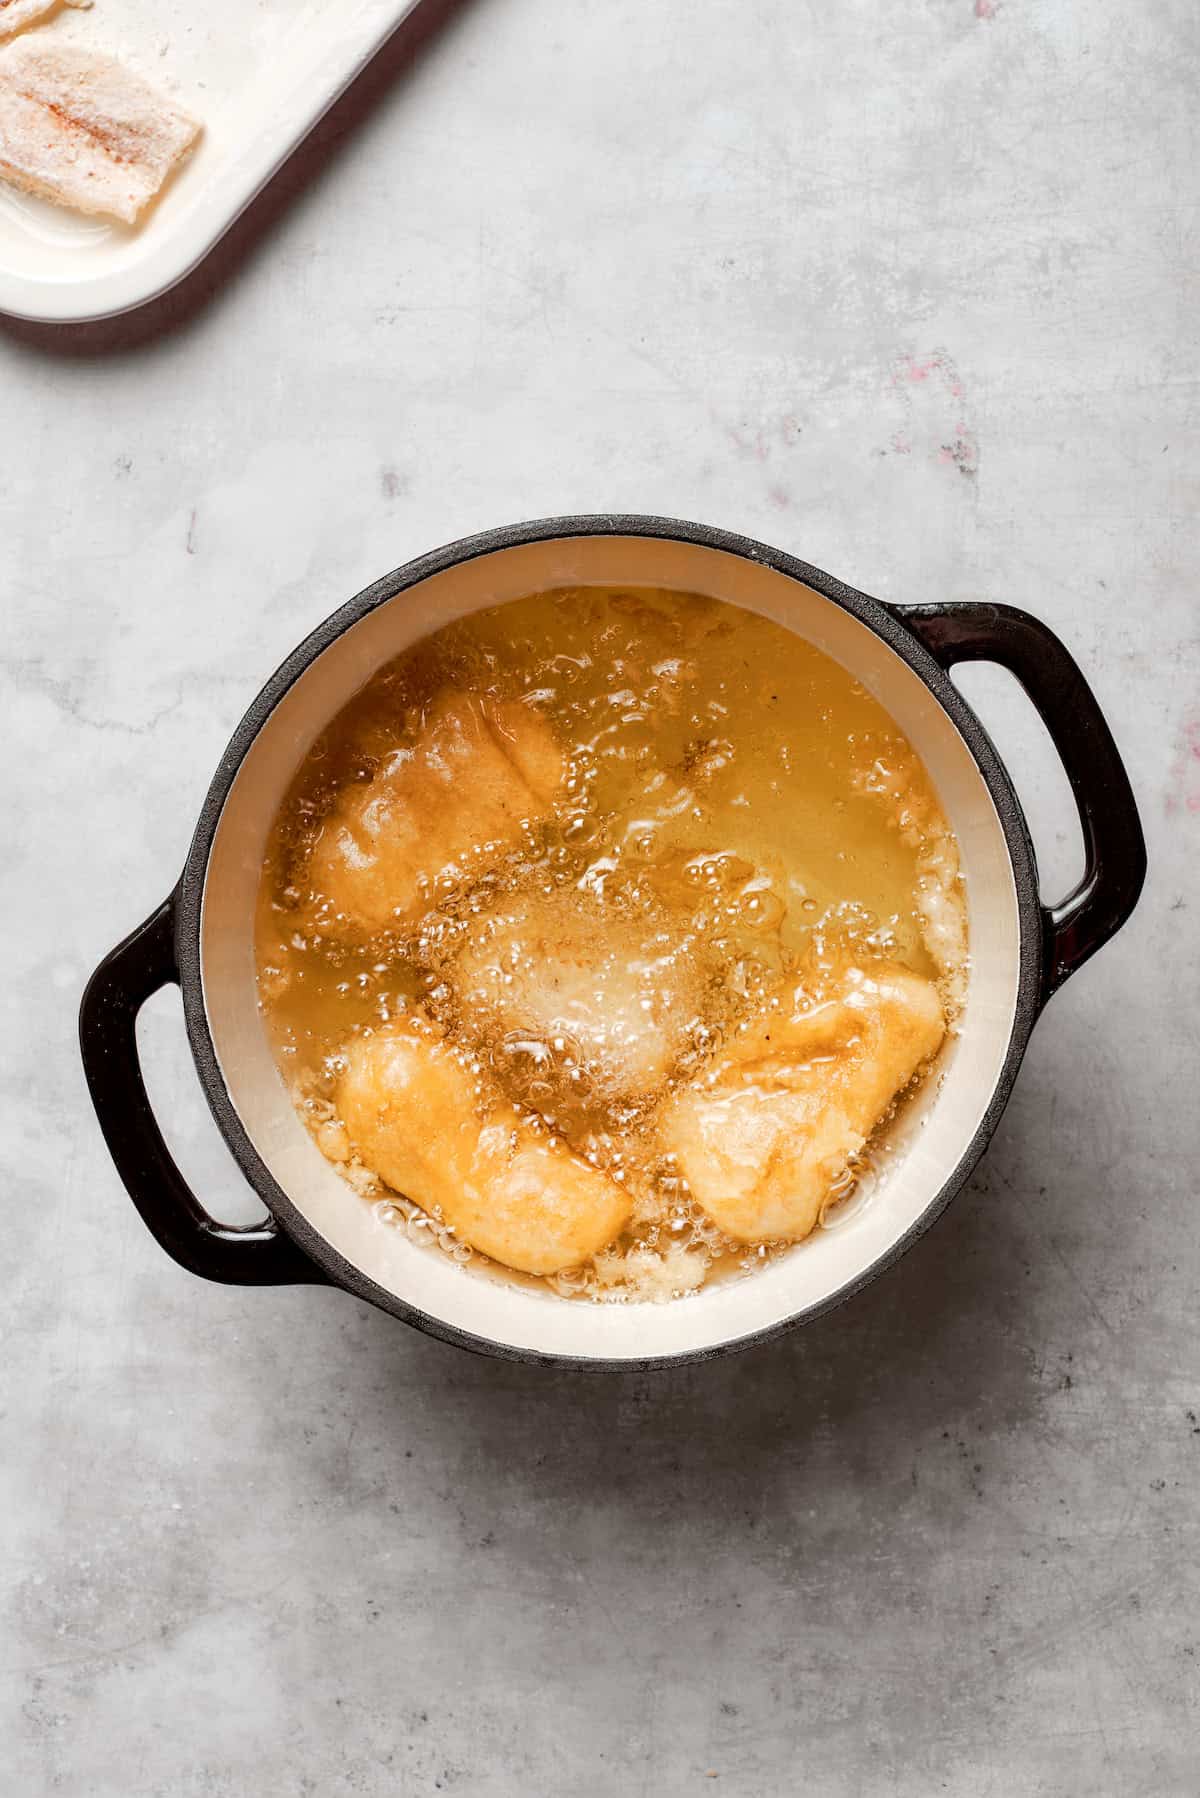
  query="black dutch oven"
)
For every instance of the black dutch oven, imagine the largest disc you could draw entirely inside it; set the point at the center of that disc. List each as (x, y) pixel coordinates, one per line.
(317, 1230)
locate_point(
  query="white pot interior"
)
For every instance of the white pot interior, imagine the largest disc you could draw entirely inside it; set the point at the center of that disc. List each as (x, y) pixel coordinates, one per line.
(932, 1135)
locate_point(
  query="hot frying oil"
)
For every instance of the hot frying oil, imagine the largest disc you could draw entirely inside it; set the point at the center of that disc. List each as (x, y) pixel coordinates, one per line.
(729, 791)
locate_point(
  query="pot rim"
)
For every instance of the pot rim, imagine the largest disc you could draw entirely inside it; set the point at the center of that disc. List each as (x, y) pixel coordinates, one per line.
(879, 618)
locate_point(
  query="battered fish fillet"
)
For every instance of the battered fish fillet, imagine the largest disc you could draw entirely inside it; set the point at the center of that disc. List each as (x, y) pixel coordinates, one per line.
(15, 15)
(762, 1137)
(410, 1108)
(603, 995)
(79, 129)
(479, 774)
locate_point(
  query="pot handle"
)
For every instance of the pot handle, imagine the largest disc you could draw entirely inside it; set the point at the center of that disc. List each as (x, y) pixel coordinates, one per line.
(1115, 850)
(235, 1254)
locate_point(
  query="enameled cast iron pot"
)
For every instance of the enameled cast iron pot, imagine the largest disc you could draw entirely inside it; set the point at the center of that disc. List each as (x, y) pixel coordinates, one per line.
(202, 936)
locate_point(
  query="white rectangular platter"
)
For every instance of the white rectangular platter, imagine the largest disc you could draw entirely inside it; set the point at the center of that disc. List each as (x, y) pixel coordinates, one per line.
(257, 73)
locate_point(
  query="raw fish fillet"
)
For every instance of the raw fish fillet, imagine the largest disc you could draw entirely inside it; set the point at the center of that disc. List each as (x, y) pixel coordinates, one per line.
(79, 129)
(15, 15)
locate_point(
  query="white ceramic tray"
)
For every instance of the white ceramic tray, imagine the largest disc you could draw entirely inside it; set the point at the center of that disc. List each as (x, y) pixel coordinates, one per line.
(258, 73)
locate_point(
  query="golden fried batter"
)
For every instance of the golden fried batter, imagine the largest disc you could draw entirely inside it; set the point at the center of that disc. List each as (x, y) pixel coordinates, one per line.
(765, 1133)
(411, 1110)
(479, 774)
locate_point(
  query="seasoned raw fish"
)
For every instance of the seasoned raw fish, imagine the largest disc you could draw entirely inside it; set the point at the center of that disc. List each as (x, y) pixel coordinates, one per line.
(478, 775)
(410, 1108)
(16, 14)
(763, 1135)
(606, 996)
(79, 129)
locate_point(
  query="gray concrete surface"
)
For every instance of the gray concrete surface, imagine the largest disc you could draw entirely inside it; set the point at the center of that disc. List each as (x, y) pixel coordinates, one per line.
(913, 292)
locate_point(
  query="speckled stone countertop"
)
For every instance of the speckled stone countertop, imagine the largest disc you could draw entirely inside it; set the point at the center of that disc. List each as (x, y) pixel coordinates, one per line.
(911, 291)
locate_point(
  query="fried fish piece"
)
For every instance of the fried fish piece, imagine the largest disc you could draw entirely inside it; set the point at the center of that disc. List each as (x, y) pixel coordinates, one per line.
(480, 773)
(79, 129)
(763, 1135)
(605, 995)
(412, 1112)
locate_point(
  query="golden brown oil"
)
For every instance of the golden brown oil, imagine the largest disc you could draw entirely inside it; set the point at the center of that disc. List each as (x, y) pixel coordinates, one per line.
(717, 765)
